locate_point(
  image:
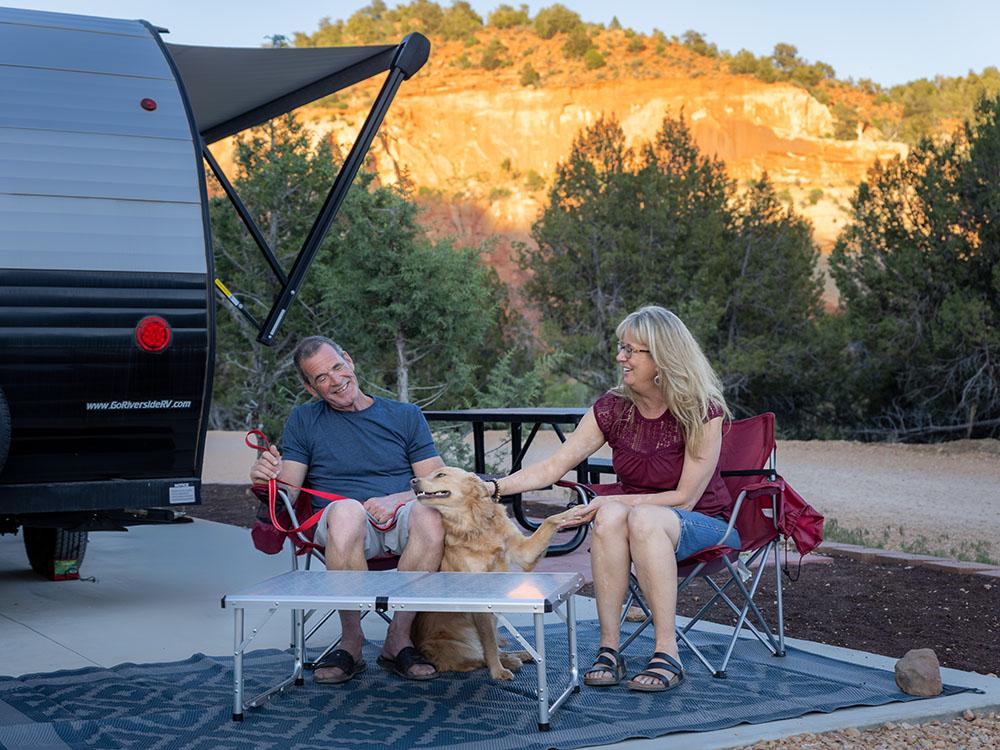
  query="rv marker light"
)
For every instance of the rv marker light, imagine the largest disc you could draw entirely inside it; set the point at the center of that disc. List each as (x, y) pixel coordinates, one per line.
(153, 334)
(148, 104)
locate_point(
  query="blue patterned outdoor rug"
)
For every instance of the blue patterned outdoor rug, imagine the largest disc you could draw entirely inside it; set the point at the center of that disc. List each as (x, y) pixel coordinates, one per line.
(188, 704)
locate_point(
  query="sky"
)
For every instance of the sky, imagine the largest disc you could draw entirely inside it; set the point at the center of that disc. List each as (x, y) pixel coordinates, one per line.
(888, 41)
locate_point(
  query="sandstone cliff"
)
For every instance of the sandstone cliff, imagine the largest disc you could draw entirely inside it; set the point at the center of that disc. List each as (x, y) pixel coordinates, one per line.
(480, 148)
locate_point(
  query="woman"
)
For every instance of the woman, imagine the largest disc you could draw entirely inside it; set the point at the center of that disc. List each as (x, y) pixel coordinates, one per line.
(664, 425)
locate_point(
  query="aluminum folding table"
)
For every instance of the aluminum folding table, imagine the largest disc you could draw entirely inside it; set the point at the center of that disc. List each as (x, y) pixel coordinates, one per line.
(500, 594)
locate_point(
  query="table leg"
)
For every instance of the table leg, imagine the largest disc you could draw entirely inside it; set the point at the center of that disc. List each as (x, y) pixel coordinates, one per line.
(479, 446)
(515, 452)
(238, 664)
(574, 665)
(298, 617)
(543, 684)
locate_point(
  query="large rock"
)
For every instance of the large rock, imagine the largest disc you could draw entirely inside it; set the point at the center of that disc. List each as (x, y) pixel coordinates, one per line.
(919, 673)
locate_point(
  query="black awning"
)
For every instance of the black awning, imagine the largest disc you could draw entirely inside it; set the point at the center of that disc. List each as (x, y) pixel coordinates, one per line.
(231, 89)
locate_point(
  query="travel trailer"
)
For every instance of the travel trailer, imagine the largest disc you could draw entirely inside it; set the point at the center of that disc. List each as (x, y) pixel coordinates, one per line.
(106, 274)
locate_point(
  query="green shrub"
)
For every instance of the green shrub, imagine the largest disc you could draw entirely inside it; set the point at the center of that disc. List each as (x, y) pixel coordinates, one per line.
(747, 63)
(635, 44)
(556, 19)
(506, 17)
(429, 193)
(460, 21)
(499, 193)
(534, 181)
(593, 59)
(814, 196)
(530, 76)
(494, 56)
(845, 122)
(577, 44)
(695, 42)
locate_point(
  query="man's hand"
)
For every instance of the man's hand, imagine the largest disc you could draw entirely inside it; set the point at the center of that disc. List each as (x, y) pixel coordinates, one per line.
(382, 507)
(266, 467)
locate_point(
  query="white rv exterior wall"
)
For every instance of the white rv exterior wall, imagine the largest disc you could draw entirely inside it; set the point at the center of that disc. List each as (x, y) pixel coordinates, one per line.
(88, 179)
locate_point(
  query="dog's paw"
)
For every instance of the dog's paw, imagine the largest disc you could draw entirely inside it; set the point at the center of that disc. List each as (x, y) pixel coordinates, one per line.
(568, 517)
(524, 656)
(501, 674)
(511, 661)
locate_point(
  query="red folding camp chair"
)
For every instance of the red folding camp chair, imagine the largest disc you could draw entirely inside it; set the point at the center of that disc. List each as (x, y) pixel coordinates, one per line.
(271, 540)
(747, 464)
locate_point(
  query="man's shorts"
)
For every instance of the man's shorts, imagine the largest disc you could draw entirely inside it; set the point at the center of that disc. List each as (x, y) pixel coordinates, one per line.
(377, 543)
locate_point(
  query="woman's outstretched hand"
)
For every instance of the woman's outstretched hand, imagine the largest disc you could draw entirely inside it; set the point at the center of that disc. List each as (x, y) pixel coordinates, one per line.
(579, 514)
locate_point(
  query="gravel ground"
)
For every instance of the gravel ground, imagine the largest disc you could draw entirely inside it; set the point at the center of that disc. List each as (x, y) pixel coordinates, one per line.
(969, 731)
(939, 499)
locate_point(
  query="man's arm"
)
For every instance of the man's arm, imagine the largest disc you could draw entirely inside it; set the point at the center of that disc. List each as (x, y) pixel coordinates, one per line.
(271, 466)
(425, 467)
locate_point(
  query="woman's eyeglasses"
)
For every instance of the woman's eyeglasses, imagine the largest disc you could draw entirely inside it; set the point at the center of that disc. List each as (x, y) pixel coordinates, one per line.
(629, 349)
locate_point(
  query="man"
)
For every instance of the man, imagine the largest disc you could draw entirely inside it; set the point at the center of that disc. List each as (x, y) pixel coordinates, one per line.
(366, 448)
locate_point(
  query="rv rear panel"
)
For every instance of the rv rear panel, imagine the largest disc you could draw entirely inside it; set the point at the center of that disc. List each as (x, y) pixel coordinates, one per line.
(102, 224)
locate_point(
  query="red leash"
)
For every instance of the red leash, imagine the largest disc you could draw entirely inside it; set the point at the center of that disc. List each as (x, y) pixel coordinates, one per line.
(272, 493)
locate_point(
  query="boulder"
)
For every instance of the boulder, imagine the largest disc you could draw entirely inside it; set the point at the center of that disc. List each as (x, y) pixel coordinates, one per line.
(919, 673)
(635, 614)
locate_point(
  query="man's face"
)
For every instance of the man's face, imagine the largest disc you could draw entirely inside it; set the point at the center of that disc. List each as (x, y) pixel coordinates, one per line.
(331, 377)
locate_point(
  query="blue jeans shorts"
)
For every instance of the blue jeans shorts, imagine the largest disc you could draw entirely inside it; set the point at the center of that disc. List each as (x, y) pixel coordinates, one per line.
(699, 531)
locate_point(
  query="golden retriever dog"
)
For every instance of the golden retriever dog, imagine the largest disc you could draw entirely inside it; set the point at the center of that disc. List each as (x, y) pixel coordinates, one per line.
(478, 538)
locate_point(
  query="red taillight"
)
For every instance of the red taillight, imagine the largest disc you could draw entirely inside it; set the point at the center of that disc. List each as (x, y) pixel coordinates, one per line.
(148, 104)
(153, 334)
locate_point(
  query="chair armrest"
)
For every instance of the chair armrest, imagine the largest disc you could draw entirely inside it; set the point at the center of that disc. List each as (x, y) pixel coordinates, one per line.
(767, 487)
(585, 493)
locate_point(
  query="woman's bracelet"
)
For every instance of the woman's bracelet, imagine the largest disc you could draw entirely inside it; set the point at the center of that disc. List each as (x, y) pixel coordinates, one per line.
(496, 491)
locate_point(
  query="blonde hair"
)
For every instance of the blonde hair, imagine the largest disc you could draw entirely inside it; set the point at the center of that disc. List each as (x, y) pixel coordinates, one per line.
(686, 378)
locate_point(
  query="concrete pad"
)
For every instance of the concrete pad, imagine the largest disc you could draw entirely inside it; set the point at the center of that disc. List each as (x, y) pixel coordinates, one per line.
(155, 597)
(157, 594)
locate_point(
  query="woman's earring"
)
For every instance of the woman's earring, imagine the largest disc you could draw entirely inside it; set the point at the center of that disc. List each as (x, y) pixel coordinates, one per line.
(657, 379)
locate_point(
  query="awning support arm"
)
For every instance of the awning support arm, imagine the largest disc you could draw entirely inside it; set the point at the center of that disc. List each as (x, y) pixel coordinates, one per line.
(245, 217)
(410, 57)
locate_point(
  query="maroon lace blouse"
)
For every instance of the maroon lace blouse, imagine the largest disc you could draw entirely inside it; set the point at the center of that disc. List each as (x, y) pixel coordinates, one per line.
(648, 454)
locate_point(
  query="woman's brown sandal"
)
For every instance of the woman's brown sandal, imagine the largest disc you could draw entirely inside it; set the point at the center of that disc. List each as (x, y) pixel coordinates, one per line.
(666, 662)
(608, 660)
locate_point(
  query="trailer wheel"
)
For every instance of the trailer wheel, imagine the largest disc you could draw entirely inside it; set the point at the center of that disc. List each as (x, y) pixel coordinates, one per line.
(4, 430)
(55, 553)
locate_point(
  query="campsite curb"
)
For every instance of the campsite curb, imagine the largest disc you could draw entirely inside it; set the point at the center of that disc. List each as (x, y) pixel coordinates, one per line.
(873, 554)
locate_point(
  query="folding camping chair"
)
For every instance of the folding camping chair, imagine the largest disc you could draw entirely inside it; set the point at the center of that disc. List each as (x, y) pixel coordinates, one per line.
(747, 463)
(302, 545)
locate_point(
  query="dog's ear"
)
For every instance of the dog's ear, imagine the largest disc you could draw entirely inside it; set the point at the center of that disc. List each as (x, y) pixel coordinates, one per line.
(484, 490)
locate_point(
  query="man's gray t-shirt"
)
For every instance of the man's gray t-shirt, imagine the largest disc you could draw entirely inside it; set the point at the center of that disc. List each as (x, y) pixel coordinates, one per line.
(360, 454)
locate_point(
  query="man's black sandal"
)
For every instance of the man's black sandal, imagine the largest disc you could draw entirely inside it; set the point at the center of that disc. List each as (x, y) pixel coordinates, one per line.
(608, 660)
(663, 661)
(404, 661)
(342, 660)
